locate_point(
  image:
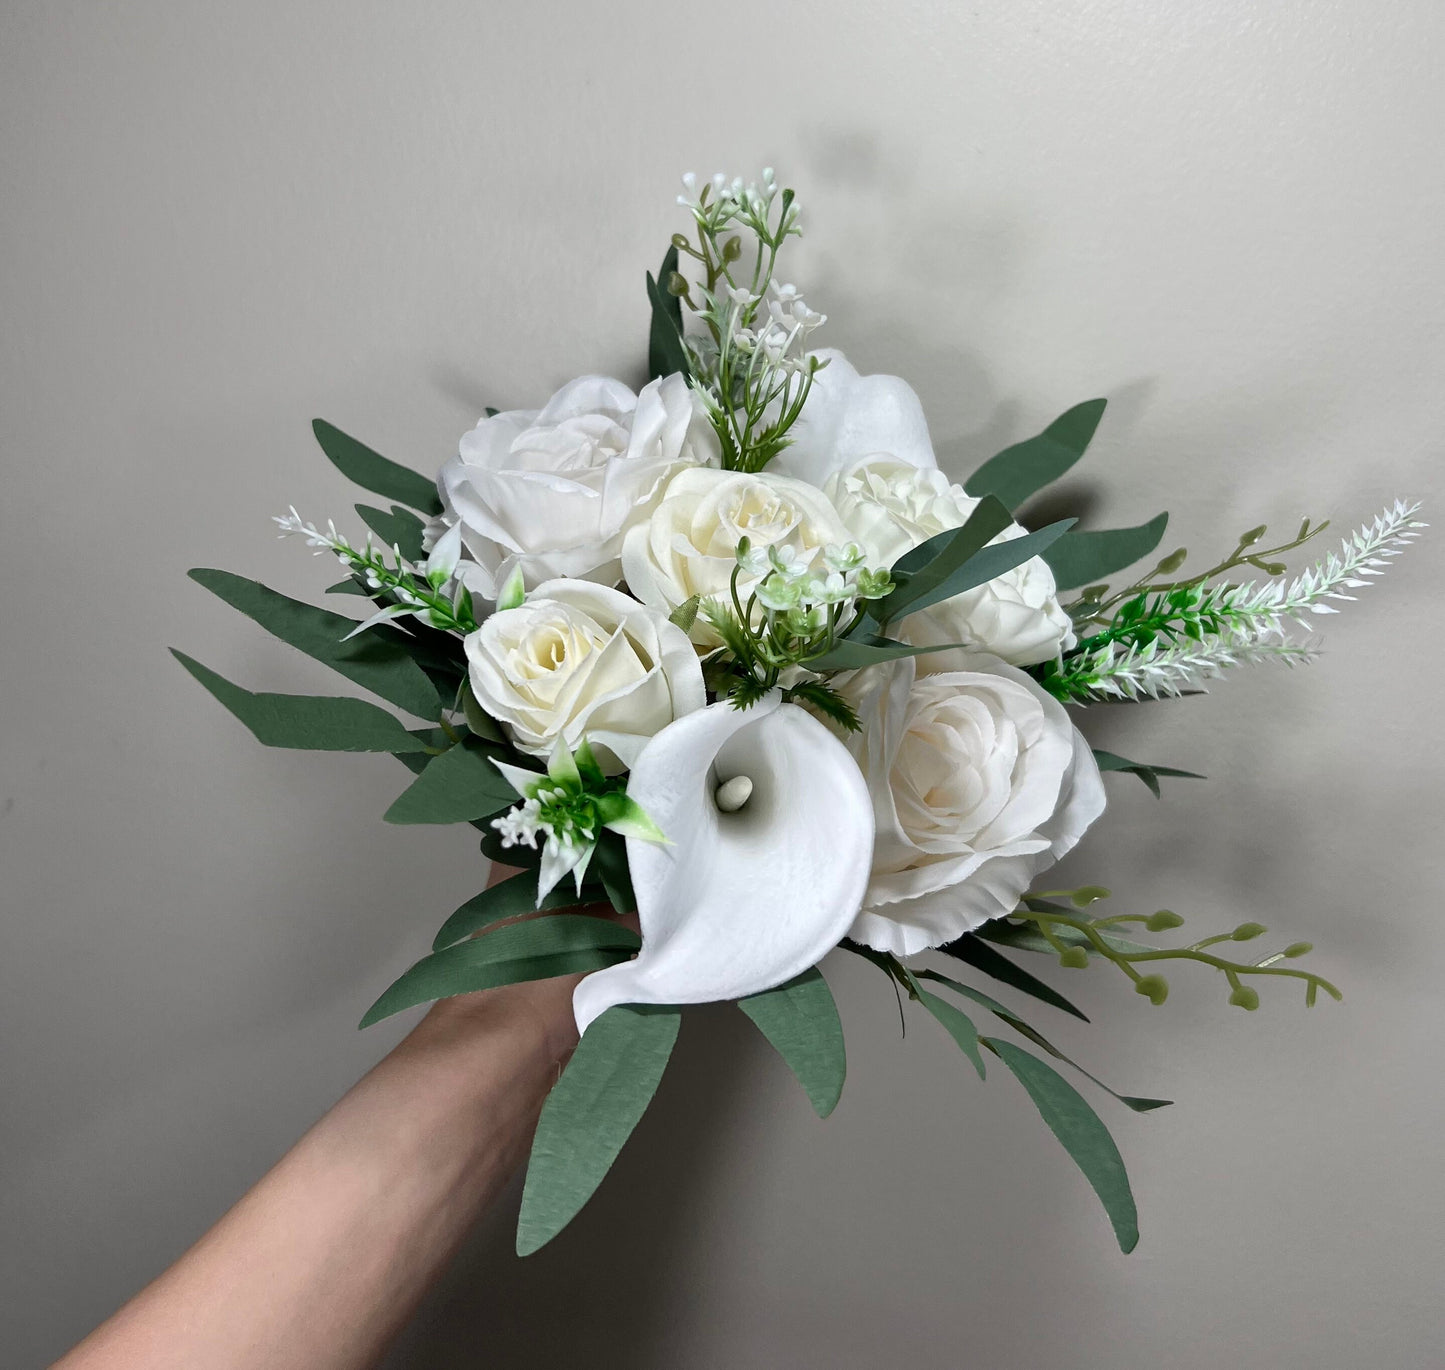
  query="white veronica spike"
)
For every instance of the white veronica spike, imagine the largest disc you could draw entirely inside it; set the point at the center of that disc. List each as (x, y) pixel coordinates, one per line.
(738, 902)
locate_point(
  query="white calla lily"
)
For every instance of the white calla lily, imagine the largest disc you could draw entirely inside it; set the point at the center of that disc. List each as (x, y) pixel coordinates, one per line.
(742, 900)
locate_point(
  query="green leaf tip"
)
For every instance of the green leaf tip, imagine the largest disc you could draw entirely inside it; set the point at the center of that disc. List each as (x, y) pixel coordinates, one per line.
(590, 1114)
(380, 660)
(1082, 1134)
(801, 1020)
(458, 786)
(537, 949)
(307, 722)
(370, 470)
(1025, 468)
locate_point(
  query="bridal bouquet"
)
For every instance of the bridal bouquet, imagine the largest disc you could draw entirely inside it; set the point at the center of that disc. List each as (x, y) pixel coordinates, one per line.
(731, 653)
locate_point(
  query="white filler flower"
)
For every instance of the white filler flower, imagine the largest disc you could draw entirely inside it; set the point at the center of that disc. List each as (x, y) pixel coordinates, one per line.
(891, 507)
(979, 782)
(579, 658)
(757, 881)
(689, 545)
(553, 490)
(848, 416)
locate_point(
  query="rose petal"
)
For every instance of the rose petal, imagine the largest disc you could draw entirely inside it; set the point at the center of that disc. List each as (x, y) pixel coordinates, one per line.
(848, 416)
(740, 902)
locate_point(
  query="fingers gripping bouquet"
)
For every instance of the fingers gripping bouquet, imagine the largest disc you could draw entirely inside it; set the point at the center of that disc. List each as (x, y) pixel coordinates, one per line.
(732, 652)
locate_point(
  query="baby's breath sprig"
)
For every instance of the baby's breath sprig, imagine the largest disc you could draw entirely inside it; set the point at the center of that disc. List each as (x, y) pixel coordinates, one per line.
(425, 592)
(1044, 924)
(567, 806)
(751, 365)
(793, 616)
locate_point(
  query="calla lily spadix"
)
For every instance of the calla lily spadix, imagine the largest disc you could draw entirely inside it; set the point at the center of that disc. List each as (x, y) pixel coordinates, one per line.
(737, 902)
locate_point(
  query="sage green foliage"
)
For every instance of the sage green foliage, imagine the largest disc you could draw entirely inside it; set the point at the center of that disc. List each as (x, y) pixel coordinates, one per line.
(459, 785)
(973, 951)
(1025, 468)
(1082, 1133)
(801, 1020)
(1076, 1125)
(400, 529)
(961, 559)
(307, 722)
(665, 350)
(1081, 557)
(958, 1025)
(925, 567)
(590, 1114)
(1110, 761)
(1007, 1015)
(375, 660)
(370, 470)
(559, 944)
(510, 898)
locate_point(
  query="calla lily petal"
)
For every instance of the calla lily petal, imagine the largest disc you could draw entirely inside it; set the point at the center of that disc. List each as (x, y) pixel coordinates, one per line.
(736, 903)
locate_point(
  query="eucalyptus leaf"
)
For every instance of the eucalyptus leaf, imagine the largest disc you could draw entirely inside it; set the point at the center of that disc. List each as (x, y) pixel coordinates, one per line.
(851, 654)
(1025, 468)
(377, 659)
(801, 1020)
(459, 785)
(977, 953)
(370, 470)
(928, 565)
(958, 1025)
(1109, 761)
(307, 722)
(1084, 558)
(400, 529)
(1008, 1016)
(983, 566)
(509, 898)
(506, 955)
(665, 352)
(591, 1113)
(1082, 1133)
(481, 723)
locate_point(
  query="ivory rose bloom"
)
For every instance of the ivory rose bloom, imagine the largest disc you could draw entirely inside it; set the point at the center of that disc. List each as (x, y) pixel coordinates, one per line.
(847, 417)
(578, 658)
(890, 507)
(979, 782)
(554, 490)
(688, 546)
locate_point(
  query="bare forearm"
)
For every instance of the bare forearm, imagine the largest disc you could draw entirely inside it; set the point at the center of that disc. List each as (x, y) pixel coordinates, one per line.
(323, 1261)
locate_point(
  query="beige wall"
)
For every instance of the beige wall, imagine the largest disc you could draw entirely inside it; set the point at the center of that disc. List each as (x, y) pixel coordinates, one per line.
(221, 219)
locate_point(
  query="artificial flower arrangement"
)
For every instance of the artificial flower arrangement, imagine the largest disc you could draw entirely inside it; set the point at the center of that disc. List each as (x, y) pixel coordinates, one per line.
(732, 653)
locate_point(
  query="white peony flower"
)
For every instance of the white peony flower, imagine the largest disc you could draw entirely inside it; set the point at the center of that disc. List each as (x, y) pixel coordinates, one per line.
(979, 782)
(891, 507)
(747, 892)
(554, 490)
(688, 546)
(578, 658)
(847, 417)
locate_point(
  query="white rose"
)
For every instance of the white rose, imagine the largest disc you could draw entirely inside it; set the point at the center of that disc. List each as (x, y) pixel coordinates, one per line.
(554, 490)
(688, 546)
(890, 507)
(578, 658)
(979, 782)
(847, 417)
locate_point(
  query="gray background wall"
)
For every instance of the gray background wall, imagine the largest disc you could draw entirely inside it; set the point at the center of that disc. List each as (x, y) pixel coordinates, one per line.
(220, 220)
